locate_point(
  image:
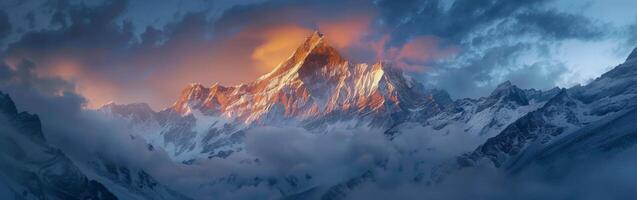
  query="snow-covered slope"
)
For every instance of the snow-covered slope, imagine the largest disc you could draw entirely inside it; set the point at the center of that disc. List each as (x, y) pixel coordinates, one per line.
(316, 88)
(487, 116)
(574, 113)
(128, 182)
(598, 141)
(553, 131)
(315, 81)
(34, 170)
(319, 90)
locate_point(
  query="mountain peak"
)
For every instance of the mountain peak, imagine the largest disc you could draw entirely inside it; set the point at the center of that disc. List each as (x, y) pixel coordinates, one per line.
(313, 54)
(138, 106)
(633, 55)
(506, 93)
(504, 85)
(137, 112)
(6, 105)
(316, 35)
(505, 89)
(314, 81)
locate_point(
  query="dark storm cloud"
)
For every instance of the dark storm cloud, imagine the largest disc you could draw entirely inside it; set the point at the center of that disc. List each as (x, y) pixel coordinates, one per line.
(24, 77)
(558, 25)
(488, 34)
(492, 37)
(453, 23)
(304, 13)
(84, 30)
(121, 59)
(95, 47)
(462, 81)
(477, 28)
(5, 26)
(467, 15)
(539, 75)
(50, 96)
(631, 34)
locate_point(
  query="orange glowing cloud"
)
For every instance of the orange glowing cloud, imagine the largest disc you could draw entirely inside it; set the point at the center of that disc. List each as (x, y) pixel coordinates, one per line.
(279, 43)
(156, 75)
(98, 90)
(346, 32)
(416, 53)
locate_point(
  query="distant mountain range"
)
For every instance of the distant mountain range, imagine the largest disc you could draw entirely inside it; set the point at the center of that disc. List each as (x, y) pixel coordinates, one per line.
(318, 90)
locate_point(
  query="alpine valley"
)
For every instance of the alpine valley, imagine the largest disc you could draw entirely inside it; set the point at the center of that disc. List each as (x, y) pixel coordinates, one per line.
(321, 127)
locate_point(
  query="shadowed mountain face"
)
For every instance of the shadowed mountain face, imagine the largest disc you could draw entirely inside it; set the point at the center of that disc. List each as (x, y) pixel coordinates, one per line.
(572, 118)
(34, 170)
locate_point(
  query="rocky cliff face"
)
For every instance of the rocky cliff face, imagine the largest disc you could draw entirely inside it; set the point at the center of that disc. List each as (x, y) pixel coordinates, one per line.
(34, 170)
(575, 111)
(316, 81)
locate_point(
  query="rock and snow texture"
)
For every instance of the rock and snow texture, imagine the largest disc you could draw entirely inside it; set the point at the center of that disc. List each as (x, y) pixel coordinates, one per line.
(32, 169)
(318, 93)
(319, 90)
(315, 88)
(316, 81)
(574, 117)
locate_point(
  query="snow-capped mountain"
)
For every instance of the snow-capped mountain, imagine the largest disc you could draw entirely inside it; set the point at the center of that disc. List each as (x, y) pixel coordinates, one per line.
(319, 90)
(316, 81)
(487, 116)
(554, 130)
(315, 88)
(34, 170)
(574, 117)
(128, 182)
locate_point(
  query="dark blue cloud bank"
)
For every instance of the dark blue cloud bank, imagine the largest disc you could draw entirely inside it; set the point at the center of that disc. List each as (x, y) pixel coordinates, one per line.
(520, 41)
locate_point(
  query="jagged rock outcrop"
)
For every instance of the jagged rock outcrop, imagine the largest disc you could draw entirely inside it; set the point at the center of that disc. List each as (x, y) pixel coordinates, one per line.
(34, 170)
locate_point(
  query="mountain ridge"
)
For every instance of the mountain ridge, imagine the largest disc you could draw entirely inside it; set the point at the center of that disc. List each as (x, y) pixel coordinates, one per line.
(318, 90)
(566, 114)
(35, 170)
(313, 81)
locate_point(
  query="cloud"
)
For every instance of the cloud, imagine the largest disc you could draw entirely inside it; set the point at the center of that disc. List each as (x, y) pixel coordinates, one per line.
(5, 26)
(612, 179)
(479, 29)
(463, 80)
(294, 159)
(558, 25)
(104, 57)
(279, 43)
(631, 33)
(345, 32)
(416, 54)
(112, 54)
(94, 54)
